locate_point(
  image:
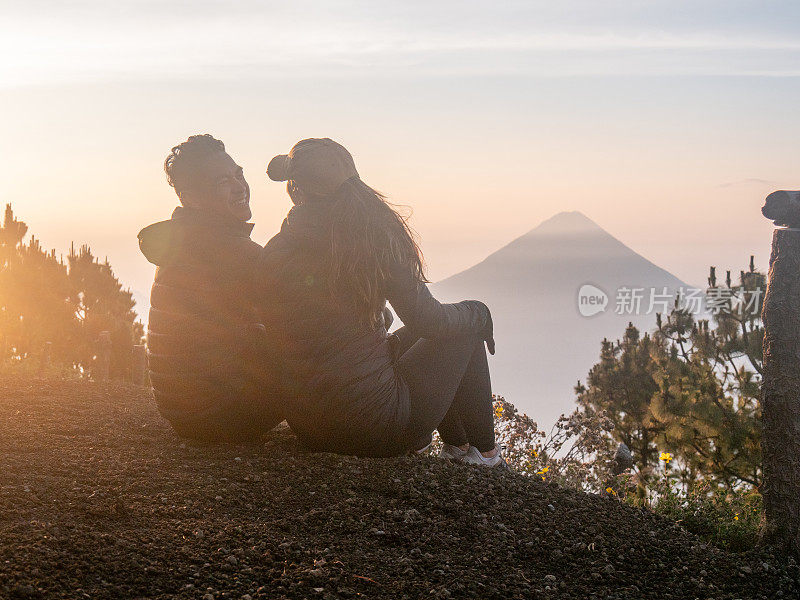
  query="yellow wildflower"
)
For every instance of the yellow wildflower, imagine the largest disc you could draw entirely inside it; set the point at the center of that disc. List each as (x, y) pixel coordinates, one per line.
(736, 517)
(666, 457)
(611, 491)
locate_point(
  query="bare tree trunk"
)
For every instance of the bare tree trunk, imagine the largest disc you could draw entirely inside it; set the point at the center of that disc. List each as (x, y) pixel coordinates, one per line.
(139, 364)
(44, 360)
(103, 362)
(780, 400)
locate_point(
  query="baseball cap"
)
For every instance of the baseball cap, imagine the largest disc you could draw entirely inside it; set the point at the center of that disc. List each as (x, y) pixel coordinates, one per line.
(318, 166)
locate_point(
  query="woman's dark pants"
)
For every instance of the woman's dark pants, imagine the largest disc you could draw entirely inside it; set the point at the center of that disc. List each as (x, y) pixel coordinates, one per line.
(449, 388)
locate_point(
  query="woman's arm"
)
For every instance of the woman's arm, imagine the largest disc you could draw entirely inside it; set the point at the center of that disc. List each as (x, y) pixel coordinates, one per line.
(426, 317)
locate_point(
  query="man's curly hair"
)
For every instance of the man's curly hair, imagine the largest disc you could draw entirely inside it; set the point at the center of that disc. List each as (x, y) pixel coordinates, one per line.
(185, 158)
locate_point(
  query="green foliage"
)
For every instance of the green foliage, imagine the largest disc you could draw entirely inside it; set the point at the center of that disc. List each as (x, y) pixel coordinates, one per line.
(728, 519)
(45, 299)
(688, 389)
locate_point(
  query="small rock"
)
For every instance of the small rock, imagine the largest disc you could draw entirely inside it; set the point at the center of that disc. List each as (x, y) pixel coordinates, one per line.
(551, 508)
(410, 514)
(24, 590)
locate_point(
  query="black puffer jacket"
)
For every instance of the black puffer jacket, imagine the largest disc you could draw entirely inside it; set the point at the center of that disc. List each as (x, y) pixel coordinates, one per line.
(346, 396)
(207, 378)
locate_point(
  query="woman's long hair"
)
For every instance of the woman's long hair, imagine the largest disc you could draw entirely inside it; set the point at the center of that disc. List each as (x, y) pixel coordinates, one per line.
(369, 240)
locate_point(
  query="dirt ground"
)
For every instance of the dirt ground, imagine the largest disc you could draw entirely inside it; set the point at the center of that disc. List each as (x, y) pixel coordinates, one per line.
(99, 499)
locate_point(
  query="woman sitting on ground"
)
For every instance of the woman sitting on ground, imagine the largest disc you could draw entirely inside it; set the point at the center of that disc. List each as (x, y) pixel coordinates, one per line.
(341, 253)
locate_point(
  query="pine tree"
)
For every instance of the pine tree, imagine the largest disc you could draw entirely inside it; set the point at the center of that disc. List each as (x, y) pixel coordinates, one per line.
(101, 304)
(621, 387)
(33, 295)
(44, 299)
(689, 390)
(710, 414)
(11, 235)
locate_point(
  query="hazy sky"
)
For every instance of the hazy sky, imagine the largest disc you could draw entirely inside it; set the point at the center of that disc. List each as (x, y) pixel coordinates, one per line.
(667, 122)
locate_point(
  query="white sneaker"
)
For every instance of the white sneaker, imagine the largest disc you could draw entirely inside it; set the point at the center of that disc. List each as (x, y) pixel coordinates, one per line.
(474, 457)
(453, 453)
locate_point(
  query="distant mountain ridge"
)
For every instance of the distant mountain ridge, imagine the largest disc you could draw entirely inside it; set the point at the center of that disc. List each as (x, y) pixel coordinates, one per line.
(544, 344)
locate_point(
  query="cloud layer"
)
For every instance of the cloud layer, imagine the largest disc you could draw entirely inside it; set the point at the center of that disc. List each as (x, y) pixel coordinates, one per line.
(46, 42)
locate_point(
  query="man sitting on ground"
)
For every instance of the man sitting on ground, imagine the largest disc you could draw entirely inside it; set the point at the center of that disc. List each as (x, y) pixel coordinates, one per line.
(205, 346)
